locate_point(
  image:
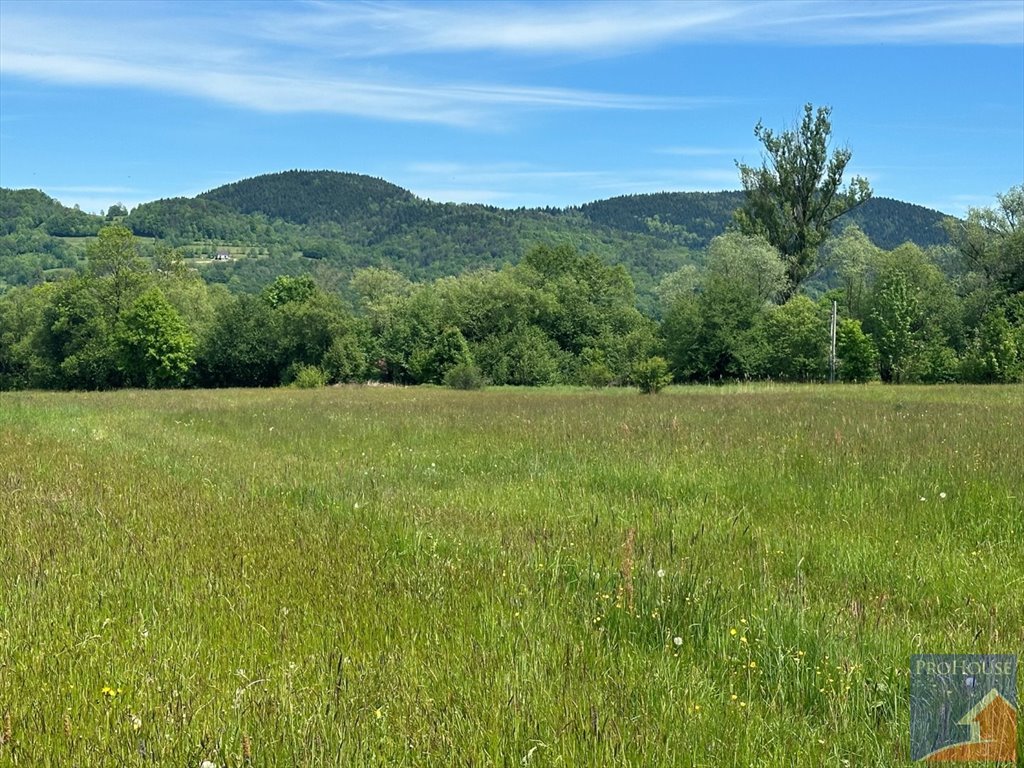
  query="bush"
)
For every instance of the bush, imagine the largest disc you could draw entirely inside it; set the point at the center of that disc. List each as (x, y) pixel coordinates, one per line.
(596, 375)
(345, 359)
(309, 377)
(524, 357)
(652, 375)
(464, 376)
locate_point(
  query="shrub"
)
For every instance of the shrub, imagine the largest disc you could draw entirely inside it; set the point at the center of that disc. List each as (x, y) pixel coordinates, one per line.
(464, 376)
(524, 357)
(652, 375)
(345, 359)
(309, 377)
(596, 375)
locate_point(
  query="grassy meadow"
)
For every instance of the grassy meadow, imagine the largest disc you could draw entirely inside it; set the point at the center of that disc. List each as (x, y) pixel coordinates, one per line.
(376, 576)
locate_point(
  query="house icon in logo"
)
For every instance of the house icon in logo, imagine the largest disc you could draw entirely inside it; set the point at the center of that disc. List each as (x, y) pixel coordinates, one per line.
(993, 724)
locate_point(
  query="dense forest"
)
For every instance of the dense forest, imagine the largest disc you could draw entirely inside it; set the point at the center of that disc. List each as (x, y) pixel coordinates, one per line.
(322, 277)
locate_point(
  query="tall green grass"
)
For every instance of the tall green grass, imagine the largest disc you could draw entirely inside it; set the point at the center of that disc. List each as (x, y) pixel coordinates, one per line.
(420, 577)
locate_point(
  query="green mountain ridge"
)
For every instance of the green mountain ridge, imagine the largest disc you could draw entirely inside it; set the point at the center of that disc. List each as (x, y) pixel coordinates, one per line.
(305, 220)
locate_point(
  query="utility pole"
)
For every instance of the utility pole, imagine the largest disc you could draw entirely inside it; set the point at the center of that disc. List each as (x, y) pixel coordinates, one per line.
(832, 346)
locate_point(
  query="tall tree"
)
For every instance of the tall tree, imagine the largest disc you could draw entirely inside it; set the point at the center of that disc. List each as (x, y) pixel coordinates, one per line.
(796, 194)
(991, 241)
(154, 347)
(115, 267)
(703, 331)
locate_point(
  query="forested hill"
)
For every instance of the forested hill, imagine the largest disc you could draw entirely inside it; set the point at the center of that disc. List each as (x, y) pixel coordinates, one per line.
(890, 223)
(24, 210)
(701, 216)
(307, 197)
(297, 219)
(690, 218)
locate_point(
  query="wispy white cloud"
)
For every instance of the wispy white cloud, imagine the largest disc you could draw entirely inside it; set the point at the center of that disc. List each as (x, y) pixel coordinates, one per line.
(584, 27)
(459, 104)
(371, 59)
(601, 28)
(208, 57)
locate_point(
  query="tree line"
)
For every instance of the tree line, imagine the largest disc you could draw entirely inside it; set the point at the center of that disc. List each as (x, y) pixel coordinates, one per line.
(557, 317)
(754, 306)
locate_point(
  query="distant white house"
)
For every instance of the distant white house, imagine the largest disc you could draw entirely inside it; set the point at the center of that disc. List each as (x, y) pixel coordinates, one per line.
(222, 255)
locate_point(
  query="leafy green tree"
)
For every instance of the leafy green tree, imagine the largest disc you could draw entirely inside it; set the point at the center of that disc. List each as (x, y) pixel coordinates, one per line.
(372, 285)
(243, 346)
(589, 300)
(915, 319)
(676, 286)
(114, 264)
(703, 333)
(682, 337)
(449, 351)
(525, 356)
(484, 303)
(796, 194)
(76, 338)
(855, 260)
(993, 356)
(307, 327)
(991, 241)
(116, 212)
(154, 346)
(287, 290)
(893, 317)
(788, 342)
(856, 352)
(404, 330)
(593, 369)
(345, 360)
(22, 363)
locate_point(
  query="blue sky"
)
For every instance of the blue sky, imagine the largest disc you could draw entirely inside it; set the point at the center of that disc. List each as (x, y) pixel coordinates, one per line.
(504, 103)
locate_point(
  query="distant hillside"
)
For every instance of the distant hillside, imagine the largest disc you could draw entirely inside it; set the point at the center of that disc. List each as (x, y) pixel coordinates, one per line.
(890, 223)
(696, 216)
(346, 220)
(30, 209)
(33, 228)
(185, 219)
(310, 197)
(295, 221)
(704, 215)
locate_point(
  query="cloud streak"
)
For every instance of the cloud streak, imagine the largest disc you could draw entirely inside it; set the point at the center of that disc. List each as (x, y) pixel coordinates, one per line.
(216, 63)
(601, 28)
(453, 104)
(374, 60)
